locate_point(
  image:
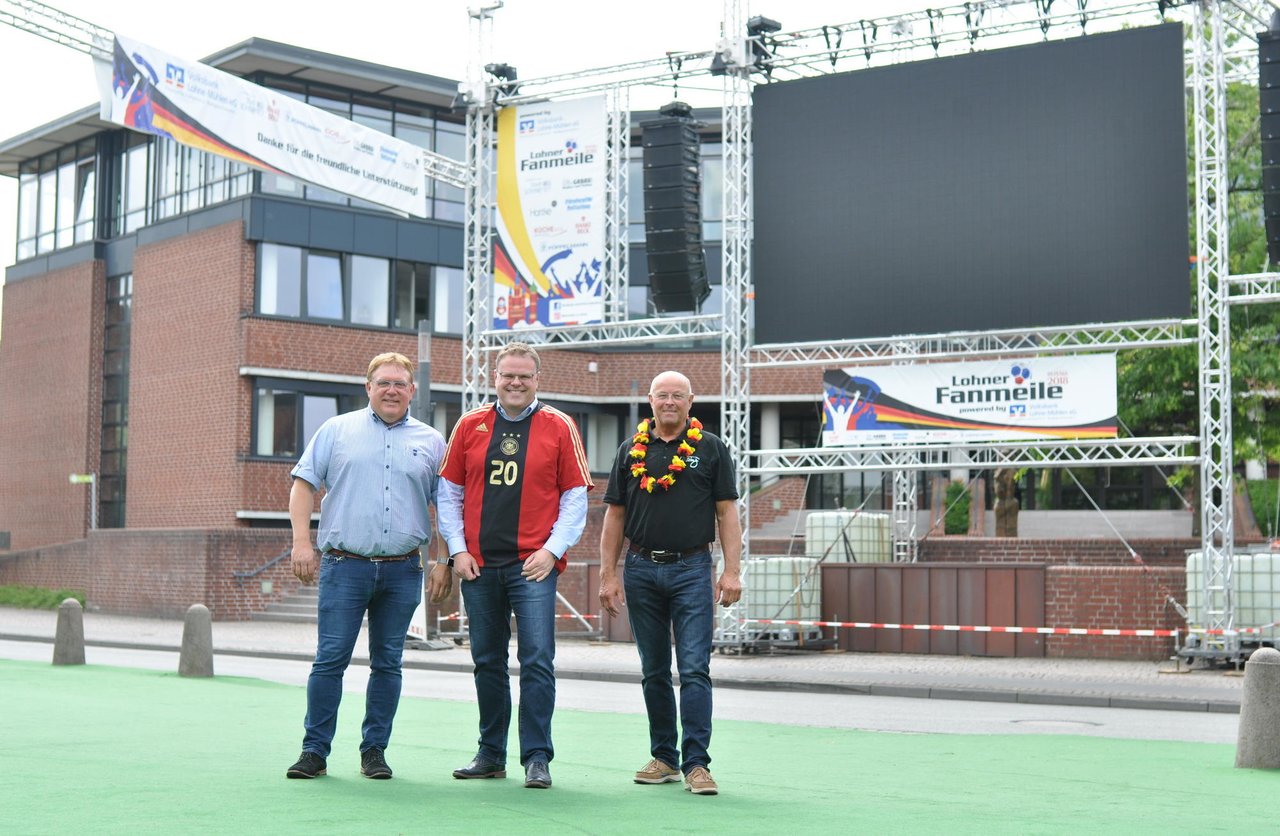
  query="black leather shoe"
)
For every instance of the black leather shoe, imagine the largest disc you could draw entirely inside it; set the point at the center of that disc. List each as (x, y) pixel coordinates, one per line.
(373, 764)
(309, 765)
(481, 768)
(536, 775)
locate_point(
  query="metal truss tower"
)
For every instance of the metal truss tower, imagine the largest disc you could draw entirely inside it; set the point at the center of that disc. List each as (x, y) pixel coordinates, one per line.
(1209, 95)
(479, 209)
(735, 380)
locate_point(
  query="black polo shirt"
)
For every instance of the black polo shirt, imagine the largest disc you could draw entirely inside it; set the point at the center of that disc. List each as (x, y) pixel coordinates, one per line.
(683, 517)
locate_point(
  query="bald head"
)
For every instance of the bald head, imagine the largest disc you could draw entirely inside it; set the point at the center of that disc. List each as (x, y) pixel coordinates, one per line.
(670, 395)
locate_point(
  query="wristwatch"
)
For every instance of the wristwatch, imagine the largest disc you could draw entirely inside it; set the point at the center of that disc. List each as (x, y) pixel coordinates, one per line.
(446, 561)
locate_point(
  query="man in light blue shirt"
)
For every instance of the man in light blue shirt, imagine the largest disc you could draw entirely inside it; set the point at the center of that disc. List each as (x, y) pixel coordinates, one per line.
(379, 470)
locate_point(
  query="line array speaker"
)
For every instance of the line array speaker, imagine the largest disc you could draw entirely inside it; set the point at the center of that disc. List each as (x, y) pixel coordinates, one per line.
(1269, 122)
(673, 211)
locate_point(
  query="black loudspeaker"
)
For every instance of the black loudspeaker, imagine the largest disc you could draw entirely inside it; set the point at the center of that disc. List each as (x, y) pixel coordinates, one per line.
(673, 210)
(1269, 122)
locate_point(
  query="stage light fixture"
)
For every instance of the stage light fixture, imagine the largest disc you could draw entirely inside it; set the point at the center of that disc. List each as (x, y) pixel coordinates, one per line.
(506, 72)
(761, 25)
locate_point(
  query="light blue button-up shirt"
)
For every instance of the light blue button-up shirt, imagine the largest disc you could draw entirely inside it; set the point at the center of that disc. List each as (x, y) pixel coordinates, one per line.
(570, 522)
(378, 481)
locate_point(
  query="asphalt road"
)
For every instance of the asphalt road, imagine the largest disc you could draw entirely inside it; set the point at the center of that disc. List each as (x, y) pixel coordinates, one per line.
(850, 711)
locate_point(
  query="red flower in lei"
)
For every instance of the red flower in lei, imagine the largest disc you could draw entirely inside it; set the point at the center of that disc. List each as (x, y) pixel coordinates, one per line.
(640, 449)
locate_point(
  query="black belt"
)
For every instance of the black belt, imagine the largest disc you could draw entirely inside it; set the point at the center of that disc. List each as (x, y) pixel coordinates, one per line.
(378, 558)
(665, 555)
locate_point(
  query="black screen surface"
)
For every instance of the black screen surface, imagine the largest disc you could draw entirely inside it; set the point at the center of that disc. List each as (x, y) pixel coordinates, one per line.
(1018, 188)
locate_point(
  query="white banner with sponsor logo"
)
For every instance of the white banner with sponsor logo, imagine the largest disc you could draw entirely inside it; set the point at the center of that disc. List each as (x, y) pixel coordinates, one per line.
(548, 259)
(1039, 397)
(194, 104)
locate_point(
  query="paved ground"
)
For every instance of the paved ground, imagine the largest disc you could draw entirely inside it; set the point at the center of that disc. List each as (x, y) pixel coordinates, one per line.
(1045, 681)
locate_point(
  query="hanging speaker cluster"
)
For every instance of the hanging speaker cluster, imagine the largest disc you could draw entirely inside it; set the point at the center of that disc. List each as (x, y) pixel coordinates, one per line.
(673, 210)
(1269, 122)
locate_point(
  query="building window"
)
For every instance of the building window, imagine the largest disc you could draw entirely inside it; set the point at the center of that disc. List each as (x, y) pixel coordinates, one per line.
(603, 436)
(187, 179)
(447, 293)
(133, 184)
(287, 413)
(451, 141)
(413, 289)
(57, 195)
(358, 289)
(115, 402)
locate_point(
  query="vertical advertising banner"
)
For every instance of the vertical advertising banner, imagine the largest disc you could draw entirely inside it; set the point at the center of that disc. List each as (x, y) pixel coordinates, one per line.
(194, 104)
(548, 257)
(995, 400)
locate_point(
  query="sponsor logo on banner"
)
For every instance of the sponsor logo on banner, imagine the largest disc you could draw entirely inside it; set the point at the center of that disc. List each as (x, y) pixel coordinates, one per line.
(1059, 397)
(549, 252)
(218, 113)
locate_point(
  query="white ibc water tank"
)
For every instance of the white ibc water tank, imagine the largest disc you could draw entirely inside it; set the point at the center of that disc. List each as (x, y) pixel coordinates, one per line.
(1257, 591)
(849, 536)
(784, 589)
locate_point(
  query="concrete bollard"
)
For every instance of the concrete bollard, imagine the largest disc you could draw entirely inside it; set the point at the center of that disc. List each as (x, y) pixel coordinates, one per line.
(197, 643)
(68, 641)
(1258, 746)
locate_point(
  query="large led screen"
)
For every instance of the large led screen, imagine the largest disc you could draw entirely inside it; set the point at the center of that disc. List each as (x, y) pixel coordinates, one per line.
(1018, 188)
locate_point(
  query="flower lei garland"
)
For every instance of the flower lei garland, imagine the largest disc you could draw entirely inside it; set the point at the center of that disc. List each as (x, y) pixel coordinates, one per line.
(640, 449)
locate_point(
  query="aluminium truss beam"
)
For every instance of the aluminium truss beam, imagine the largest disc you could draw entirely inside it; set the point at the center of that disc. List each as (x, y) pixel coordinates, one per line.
(57, 26)
(1170, 450)
(1253, 288)
(623, 332)
(979, 344)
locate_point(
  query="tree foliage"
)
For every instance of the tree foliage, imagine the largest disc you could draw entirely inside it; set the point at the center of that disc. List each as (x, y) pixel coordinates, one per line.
(1159, 387)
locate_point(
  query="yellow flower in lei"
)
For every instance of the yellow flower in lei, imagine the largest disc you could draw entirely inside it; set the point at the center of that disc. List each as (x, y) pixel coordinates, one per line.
(640, 449)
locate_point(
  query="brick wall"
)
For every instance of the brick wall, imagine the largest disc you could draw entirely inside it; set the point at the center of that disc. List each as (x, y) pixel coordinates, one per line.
(788, 492)
(160, 572)
(1091, 552)
(50, 409)
(188, 407)
(1126, 597)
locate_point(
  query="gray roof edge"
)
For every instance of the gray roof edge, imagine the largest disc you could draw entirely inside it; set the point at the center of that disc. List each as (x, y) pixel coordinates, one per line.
(336, 63)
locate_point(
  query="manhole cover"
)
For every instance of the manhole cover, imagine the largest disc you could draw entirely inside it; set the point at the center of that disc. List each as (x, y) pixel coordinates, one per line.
(1056, 724)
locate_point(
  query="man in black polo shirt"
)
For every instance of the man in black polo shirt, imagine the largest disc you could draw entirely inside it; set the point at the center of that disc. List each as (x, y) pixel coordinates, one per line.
(671, 485)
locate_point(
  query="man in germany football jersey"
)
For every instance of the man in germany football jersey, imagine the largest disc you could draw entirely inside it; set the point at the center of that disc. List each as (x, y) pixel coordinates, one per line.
(513, 500)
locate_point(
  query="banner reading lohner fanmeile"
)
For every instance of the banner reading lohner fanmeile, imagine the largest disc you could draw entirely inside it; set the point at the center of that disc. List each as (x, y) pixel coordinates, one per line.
(1037, 397)
(549, 254)
(194, 104)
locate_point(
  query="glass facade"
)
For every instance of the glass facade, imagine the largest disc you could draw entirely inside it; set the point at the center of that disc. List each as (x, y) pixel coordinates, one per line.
(357, 289)
(57, 197)
(112, 466)
(287, 413)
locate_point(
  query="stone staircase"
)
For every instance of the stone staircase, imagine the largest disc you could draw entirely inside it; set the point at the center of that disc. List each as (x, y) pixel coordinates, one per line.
(299, 607)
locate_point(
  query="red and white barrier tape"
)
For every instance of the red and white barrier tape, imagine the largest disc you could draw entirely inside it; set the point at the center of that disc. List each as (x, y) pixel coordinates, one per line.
(970, 628)
(457, 616)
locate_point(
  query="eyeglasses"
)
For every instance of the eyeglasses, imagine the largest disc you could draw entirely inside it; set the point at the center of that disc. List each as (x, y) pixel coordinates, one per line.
(507, 377)
(678, 397)
(384, 385)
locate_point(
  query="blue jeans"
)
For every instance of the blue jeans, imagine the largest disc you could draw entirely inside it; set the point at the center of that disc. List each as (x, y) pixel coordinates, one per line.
(660, 597)
(390, 591)
(491, 599)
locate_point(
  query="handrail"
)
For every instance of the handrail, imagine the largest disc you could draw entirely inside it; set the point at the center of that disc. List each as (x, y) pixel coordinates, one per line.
(244, 576)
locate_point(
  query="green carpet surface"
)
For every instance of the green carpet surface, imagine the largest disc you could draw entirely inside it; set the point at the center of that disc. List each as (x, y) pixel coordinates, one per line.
(91, 749)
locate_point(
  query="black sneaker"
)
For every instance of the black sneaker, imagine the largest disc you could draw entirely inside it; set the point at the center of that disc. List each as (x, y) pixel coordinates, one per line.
(373, 764)
(309, 765)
